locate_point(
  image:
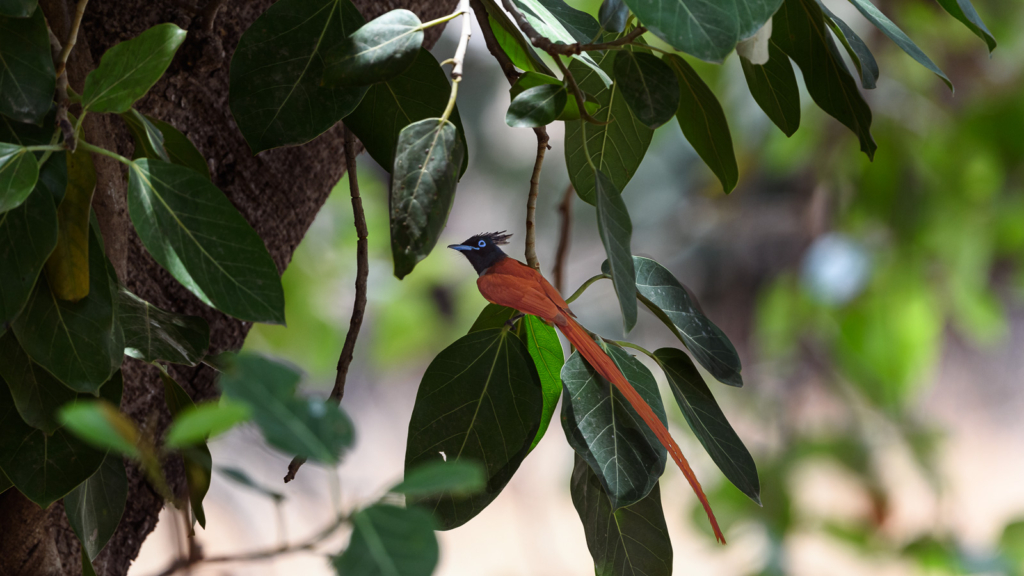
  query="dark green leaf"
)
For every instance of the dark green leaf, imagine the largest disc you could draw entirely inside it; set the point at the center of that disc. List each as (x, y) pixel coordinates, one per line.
(180, 149)
(94, 509)
(615, 229)
(480, 400)
(36, 393)
(799, 30)
(194, 231)
(536, 107)
(129, 69)
(707, 29)
(389, 541)
(774, 88)
(17, 8)
(242, 478)
(882, 22)
(419, 93)
(18, 174)
(708, 422)
(198, 472)
(78, 342)
(964, 11)
(532, 79)
(5, 482)
(703, 123)
(606, 431)
(632, 540)
(616, 148)
(151, 334)
(753, 14)
(427, 161)
(275, 92)
(197, 423)
(308, 427)
(648, 86)
(458, 477)
(546, 351)
(511, 41)
(87, 567)
(492, 316)
(558, 22)
(46, 467)
(53, 178)
(27, 236)
(99, 423)
(28, 134)
(149, 141)
(378, 51)
(612, 15)
(859, 53)
(27, 78)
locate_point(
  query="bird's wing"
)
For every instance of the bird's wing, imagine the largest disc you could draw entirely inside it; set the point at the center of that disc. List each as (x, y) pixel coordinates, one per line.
(523, 294)
(513, 267)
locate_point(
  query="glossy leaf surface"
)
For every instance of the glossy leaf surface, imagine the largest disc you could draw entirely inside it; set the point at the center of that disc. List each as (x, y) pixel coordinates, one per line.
(616, 230)
(859, 53)
(511, 40)
(18, 174)
(129, 69)
(559, 22)
(379, 50)
(753, 14)
(532, 79)
(546, 350)
(536, 107)
(27, 78)
(648, 86)
(707, 29)
(774, 88)
(152, 334)
(149, 140)
(27, 236)
(612, 15)
(95, 507)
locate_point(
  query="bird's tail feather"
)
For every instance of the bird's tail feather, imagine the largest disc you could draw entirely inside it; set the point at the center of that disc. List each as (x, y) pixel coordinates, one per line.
(606, 367)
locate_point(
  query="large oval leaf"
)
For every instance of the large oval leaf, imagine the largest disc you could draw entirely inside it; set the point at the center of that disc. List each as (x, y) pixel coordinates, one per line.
(152, 334)
(604, 429)
(480, 400)
(427, 161)
(559, 22)
(95, 507)
(18, 174)
(631, 540)
(703, 123)
(546, 350)
(275, 92)
(753, 14)
(36, 393)
(390, 541)
(378, 51)
(46, 467)
(27, 78)
(708, 422)
(616, 231)
(193, 231)
(78, 342)
(129, 69)
(890, 29)
(774, 88)
(173, 145)
(532, 79)
(648, 86)
(536, 107)
(149, 141)
(707, 29)
(27, 236)
(612, 15)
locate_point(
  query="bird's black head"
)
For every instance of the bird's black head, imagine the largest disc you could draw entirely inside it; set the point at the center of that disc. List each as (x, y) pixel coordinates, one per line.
(482, 250)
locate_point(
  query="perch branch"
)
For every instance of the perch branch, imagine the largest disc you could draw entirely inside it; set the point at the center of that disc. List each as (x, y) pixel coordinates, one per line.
(531, 202)
(511, 74)
(565, 209)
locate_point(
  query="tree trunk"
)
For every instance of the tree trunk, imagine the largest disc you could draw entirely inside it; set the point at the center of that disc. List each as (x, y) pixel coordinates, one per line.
(279, 192)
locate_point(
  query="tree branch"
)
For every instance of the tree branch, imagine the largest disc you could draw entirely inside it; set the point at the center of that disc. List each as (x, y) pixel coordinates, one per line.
(531, 202)
(565, 209)
(72, 37)
(511, 74)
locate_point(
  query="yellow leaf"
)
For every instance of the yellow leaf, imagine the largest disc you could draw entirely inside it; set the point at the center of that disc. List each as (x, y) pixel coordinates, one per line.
(67, 269)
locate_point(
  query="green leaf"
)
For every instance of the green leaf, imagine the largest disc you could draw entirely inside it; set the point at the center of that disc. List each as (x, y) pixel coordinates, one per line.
(799, 30)
(389, 541)
(707, 29)
(703, 123)
(511, 41)
(149, 140)
(36, 393)
(774, 88)
(426, 172)
(536, 107)
(603, 428)
(859, 53)
(197, 460)
(28, 134)
(492, 316)
(27, 78)
(67, 268)
(27, 236)
(242, 478)
(151, 334)
(460, 478)
(532, 79)
(45, 467)
(180, 149)
(964, 11)
(617, 148)
(648, 86)
(753, 14)
(17, 8)
(99, 423)
(630, 540)
(546, 350)
(480, 400)
(275, 92)
(615, 229)
(419, 93)
(674, 305)
(192, 230)
(612, 15)
(129, 69)
(195, 424)
(308, 427)
(378, 51)
(890, 29)
(708, 422)
(18, 174)
(558, 22)
(95, 507)
(78, 342)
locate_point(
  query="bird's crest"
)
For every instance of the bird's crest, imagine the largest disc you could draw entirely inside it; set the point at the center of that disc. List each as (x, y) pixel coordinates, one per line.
(497, 238)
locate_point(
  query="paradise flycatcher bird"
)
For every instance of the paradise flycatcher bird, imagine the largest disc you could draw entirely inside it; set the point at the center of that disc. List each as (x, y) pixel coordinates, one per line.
(507, 282)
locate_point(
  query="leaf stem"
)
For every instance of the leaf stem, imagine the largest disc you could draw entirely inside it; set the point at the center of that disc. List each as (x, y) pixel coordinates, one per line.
(625, 344)
(442, 19)
(45, 148)
(103, 151)
(72, 37)
(459, 57)
(579, 291)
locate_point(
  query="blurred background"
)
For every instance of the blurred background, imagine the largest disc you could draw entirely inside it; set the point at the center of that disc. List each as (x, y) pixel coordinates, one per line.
(878, 309)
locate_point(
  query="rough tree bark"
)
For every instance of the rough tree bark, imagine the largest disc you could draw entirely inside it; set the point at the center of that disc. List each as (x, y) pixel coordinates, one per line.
(279, 192)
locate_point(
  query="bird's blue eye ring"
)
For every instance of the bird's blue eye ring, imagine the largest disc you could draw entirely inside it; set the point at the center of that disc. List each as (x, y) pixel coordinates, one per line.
(482, 243)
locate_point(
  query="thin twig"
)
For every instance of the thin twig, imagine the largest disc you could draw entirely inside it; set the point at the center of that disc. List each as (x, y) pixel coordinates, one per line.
(565, 209)
(557, 48)
(581, 99)
(72, 37)
(458, 58)
(531, 202)
(362, 271)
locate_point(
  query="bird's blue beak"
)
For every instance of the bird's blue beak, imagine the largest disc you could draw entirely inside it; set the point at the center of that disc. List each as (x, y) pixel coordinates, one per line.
(460, 247)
